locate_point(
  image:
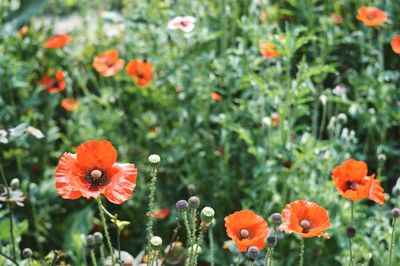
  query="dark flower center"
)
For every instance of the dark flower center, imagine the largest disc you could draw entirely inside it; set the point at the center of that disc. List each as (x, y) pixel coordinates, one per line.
(185, 23)
(371, 16)
(140, 75)
(306, 225)
(244, 234)
(352, 185)
(96, 177)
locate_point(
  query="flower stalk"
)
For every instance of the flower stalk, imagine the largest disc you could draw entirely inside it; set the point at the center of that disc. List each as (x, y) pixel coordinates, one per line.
(301, 261)
(154, 160)
(107, 234)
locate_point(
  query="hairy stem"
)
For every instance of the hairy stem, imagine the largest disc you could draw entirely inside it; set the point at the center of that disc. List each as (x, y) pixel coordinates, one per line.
(392, 242)
(93, 257)
(149, 226)
(107, 234)
(301, 261)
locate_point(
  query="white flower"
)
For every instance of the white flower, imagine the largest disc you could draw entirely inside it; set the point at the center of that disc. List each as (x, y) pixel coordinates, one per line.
(339, 90)
(35, 132)
(154, 158)
(18, 130)
(3, 136)
(185, 24)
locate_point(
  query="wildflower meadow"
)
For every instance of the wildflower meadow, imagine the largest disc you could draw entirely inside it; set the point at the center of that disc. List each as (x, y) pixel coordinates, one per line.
(209, 133)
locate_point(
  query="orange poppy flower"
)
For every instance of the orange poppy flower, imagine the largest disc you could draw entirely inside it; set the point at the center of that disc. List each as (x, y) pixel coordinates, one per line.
(23, 31)
(216, 97)
(395, 43)
(246, 229)
(141, 71)
(352, 182)
(108, 63)
(54, 86)
(93, 171)
(371, 16)
(57, 41)
(69, 104)
(162, 214)
(306, 219)
(268, 50)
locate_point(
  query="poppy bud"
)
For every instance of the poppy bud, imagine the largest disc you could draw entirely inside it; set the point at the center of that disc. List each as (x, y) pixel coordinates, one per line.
(195, 248)
(395, 212)
(98, 237)
(194, 202)
(90, 241)
(14, 184)
(191, 188)
(156, 242)
(27, 253)
(207, 215)
(276, 218)
(351, 232)
(253, 252)
(154, 159)
(271, 240)
(182, 205)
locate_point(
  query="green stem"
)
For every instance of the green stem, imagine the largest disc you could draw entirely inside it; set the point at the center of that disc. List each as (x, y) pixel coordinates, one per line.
(107, 234)
(211, 238)
(102, 256)
(119, 244)
(238, 259)
(351, 262)
(193, 220)
(93, 257)
(301, 261)
(149, 227)
(10, 207)
(392, 242)
(271, 256)
(9, 258)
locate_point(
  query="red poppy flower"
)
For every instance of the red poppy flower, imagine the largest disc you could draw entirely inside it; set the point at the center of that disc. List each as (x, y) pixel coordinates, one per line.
(108, 63)
(69, 104)
(141, 71)
(216, 97)
(54, 86)
(395, 43)
(268, 50)
(352, 182)
(306, 219)
(371, 16)
(162, 214)
(246, 229)
(57, 41)
(93, 171)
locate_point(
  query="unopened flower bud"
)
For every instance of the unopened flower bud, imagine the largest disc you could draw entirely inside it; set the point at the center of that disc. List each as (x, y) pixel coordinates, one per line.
(156, 242)
(276, 218)
(253, 252)
(154, 159)
(191, 188)
(271, 240)
(182, 205)
(90, 241)
(207, 215)
(395, 212)
(27, 253)
(194, 202)
(195, 248)
(351, 232)
(14, 184)
(98, 237)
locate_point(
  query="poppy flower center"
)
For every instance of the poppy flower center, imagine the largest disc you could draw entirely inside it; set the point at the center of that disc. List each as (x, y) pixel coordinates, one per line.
(352, 185)
(184, 23)
(140, 75)
(306, 225)
(244, 234)
(96, 177)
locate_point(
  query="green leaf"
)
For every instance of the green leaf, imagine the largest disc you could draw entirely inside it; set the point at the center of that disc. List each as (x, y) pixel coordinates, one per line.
(23, 14)
(19, 228)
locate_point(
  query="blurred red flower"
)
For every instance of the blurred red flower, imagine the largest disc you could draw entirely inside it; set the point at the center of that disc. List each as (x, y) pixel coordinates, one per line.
(371, 16)
(108, 63)
(141, 71)
(23, 31)
(69, 104)
(54, 85)
(216, 97)
(395, 43)
(93, 171)
(246, 229)
(57, 41)
(306, 219)
(352, 182)
(162, 214)
(268, 50)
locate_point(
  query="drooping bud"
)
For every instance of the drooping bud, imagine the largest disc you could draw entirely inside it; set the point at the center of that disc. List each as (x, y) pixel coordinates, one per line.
(195, 248)
(395, 212)
(27, 253)
(194, 202)
(14, 184)
(276, 218)
(90, 241)
(207, 215)
(182, 205)
(271, 240)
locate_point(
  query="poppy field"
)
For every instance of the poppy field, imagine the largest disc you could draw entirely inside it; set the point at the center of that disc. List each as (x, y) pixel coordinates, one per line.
(166, 132)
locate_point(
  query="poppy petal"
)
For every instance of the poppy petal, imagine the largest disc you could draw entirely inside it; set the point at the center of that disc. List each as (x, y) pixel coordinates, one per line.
(67, 181)
(96, 154)
(123, 183)
(376, 192)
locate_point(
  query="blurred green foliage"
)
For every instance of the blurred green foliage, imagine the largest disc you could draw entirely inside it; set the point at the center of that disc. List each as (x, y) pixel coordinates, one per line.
(229, 149)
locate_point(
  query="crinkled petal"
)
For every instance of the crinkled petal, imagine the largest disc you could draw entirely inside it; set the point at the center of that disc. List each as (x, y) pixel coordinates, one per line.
(96, 154)
(122, 184)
